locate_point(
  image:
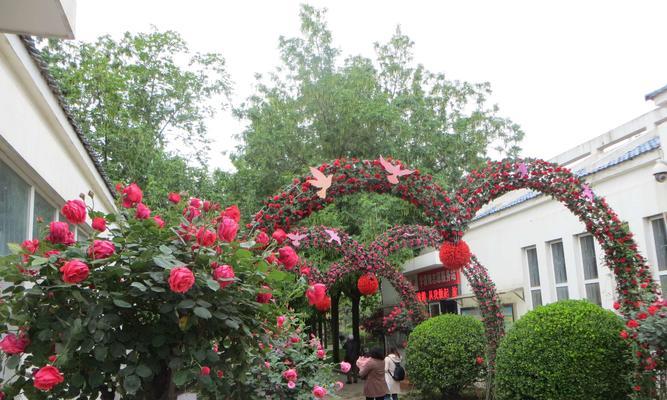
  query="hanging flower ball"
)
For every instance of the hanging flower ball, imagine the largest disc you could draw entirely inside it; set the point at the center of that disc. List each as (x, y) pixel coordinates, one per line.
(323, 305)
(368, 284)
(454, 255)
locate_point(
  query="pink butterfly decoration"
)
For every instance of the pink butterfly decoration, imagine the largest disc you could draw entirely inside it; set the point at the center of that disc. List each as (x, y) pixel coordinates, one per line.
(587, 193)
(321, 181)
(296, 238)
(394, 171)
(333, 235)
(523, 170)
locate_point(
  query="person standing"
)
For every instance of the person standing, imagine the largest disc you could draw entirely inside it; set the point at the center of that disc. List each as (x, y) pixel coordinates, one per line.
(351, 348)
(375, 387)
(392, 360)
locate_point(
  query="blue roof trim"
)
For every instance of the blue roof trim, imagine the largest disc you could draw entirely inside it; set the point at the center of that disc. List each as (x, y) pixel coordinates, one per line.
(656, 93)
(650, 145)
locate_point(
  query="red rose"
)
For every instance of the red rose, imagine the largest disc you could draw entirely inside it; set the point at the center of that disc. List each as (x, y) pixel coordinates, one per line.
(158, 221)
(205, 371)
(262, 238)
(51, 253)
(264, 295)
(75, 211)
(279, 235)
(195, 202)
(220, 375)
(205, 237)
(319, 392)
(479, 361)
(12, 344)
(30, 246)
(624, 334)
(617, 305)
(232, 212)
(653, 309)
(132, 195)
(174, 197)
(316, 293)
(181, 279)
(47, 377)
(74, 271)
(290, 375)
(143, 212)
(99, 224)
(224, 274)
(59, 233)
(227, 229)
(288, 257)
(207, 205)
(632, 323)
(101, 249)
(191, 213)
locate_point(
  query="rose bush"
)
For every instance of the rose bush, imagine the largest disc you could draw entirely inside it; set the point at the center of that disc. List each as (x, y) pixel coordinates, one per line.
(153, 304)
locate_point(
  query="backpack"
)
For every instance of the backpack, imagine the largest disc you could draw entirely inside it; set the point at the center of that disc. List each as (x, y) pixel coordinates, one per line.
(399, 372)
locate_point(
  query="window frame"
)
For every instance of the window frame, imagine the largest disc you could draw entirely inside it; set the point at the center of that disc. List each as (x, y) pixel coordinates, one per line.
(659, 274)
(527, 268)
(552, 264)
(582, 274)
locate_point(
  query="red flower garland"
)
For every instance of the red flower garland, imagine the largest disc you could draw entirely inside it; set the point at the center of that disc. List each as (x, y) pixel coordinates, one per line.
(368, 284)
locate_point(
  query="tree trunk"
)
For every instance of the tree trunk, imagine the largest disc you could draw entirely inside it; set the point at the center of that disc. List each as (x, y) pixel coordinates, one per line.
(162, 387)
(355, 296)
(324, 329)
(335, 328)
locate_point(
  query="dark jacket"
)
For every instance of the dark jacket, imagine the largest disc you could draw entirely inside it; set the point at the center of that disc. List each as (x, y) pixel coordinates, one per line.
(351, 351)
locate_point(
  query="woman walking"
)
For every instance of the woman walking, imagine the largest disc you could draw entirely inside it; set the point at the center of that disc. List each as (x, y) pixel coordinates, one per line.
(390, 362)
(375, 387)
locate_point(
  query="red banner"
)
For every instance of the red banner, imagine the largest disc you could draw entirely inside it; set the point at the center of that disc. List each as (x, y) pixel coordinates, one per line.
(438, 294)
(438, 278)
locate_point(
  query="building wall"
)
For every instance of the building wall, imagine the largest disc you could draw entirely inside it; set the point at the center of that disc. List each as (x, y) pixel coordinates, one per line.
(38, 144)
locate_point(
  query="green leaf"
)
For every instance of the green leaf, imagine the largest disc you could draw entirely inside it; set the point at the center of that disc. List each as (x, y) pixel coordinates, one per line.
(100, 353)
(163, 262)
(12, 362)
(37, 261)
(165, 250)
(201, 312)
(14, 248)
(122, 303)
(139, 286)
(187, 303)
(232, 324)
(131, 384)
(212, 284)
(143, 371)
(277, 276)
(243, 254)
(180, 377)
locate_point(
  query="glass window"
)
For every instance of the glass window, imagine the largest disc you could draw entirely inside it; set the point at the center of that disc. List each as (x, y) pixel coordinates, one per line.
(593, 293)
(663, 283)
(588, 257)
(660, 239)
(14, 207)
(536, 296)
(533, 267)
(434, 309)
(559, 262)
(562, 293)
(472, 311)
(44, 212)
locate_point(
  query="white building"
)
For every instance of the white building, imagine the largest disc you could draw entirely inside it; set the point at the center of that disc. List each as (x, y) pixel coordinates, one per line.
(44, 158)
(538, 252)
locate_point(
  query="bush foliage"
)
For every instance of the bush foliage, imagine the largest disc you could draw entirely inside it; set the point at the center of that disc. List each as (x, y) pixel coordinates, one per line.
(445, 354)
(570, 350)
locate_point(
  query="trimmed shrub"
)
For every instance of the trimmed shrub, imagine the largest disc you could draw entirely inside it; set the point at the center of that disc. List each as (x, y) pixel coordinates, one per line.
(445, 354)
(569, 350)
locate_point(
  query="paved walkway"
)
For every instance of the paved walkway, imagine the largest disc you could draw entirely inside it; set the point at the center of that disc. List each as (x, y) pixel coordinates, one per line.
(353, 391)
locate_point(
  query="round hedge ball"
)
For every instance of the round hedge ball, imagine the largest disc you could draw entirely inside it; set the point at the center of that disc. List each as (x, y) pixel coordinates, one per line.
(569, 350)
(443, 354)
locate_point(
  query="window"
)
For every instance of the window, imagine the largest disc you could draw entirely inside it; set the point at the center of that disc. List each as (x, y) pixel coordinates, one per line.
(560, 273)
(44, 212)
(434, 309)
(14, 207)
(590, 267)
(506, 309)
(534, 277)
(660, 241)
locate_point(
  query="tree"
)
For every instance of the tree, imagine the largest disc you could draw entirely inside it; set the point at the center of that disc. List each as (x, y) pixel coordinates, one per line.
(139, 96)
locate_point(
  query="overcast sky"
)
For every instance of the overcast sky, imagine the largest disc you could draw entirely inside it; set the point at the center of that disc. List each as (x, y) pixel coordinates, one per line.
(566, 71)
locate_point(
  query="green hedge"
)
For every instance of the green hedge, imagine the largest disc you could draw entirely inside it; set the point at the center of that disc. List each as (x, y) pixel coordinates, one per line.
(442, 354)
(569, 350)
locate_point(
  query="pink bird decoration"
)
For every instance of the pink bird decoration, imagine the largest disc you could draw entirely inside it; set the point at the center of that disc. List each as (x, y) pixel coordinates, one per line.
(296, 238)
(321, 181)
(394, 171)
(523, 170)
(587, 193)
(333, 235)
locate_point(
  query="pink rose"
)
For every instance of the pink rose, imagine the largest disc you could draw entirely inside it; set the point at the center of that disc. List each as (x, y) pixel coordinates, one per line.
(74, 271)
(280, 321)
(304, 270)
(262, 238)
(205, 371)
(224, 274)
(174, 197)
(12, 344)
(51, 253)
(227, 229)
(30, 246)
(232, 212)
(132, 195)
(316, 293)
(99, 224)
(339, 386)
(287, 257)
(75, 211)
(321, 353)
(345, 367)
(291, 385)
(101, 249)
(143, 212)
(290, 375)
(319, 392)
(195, 202)
(267, 364)
(191, 213)
(59, 233)
(158, 221)
(47, 377)
(207, 205)
(181, 279)
(205, 237)
(264, 296)
(279, 235)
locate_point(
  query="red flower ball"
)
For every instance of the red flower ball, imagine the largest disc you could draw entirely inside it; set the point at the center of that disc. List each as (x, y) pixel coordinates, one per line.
(368, 284)
(324, 305)
(454, 255)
